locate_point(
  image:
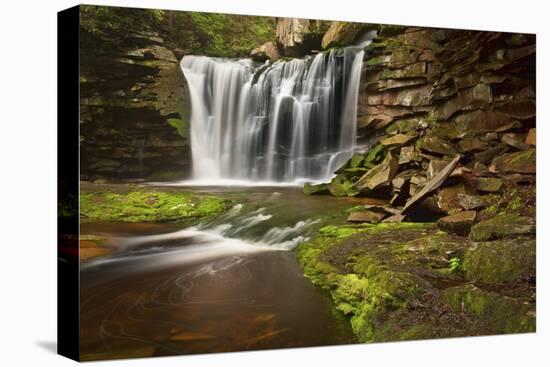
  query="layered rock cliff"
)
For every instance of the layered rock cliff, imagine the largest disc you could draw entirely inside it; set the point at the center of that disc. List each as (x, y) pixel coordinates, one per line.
(134, 110)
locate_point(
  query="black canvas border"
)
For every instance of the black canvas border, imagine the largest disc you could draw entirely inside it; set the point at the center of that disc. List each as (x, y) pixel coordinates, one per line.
(68, 290)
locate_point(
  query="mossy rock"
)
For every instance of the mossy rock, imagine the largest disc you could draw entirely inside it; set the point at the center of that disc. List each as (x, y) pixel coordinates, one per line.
(504, 314)
(342, 186)
(501, 226)
(500, 261)
(519, 162)
(148, 206)
(319, 189)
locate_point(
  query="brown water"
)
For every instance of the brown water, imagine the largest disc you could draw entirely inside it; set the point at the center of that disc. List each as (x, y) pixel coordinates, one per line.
(227, 285)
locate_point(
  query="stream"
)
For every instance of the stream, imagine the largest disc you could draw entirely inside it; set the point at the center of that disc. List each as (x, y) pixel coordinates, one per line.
(231, 283)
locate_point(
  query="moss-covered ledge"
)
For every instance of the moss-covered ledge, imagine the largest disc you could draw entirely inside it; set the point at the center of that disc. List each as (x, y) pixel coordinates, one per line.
(401, 281)
(149, 206)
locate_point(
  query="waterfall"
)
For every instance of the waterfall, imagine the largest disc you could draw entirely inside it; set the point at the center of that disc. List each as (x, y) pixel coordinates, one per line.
(287, 121)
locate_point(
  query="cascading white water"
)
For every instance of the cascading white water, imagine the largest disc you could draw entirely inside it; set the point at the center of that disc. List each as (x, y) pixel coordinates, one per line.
(287, 121)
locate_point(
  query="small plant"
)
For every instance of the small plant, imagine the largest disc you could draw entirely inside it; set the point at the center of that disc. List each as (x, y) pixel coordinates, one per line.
(455, 265)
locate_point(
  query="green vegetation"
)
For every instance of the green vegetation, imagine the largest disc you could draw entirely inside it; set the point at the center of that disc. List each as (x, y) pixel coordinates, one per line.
(455, 265)
(148, 206)
(210, 34)
(390, 279)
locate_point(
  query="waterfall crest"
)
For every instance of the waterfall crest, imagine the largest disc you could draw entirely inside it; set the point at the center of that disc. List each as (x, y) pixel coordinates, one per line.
(288, 121)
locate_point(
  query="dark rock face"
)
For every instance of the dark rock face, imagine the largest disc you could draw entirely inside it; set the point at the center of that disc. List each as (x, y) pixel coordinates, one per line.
(134, 108)
(296, 37)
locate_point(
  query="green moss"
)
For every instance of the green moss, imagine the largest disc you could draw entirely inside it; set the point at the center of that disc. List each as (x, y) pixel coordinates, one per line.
(375, 155)
(181, 125)
(342, 186)
(504, 314)
(500, 261)
(505, 225)
(148, 206)
(339, 232)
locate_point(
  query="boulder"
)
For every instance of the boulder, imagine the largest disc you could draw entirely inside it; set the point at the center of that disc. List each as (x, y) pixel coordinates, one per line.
(406, 155)
(341, 186)
(459, 223)
(470, 144)
(369, 216)
(486, 156)
(469, 202)
(531, 138)
(488, 184)
(515, 141)
(502, 226)
(319, 189)
(267, 51)
(432, 184)
(397, 218)
(341, 34)
(397, 140)
(500, 261)
(434, 144)
(380, 175)
(447, 198)
(519, 162)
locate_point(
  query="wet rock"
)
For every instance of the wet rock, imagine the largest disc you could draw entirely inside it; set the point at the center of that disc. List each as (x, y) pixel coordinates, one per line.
(432, 184)
(320, 189)
(488, 184)
(435, 144)
(397, 140)
(502, 226)
(515, 141)
(380, 175)
(531, 138)
(267, 51)
(500, 261)
(459, 223)
(519, 162)
(405, 126)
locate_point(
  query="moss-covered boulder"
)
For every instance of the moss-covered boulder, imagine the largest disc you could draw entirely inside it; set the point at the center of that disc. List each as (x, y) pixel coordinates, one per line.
(318, 189)
(504, 314)
(342, 186)
(500, 261)
(519, 162)
(501, 226)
